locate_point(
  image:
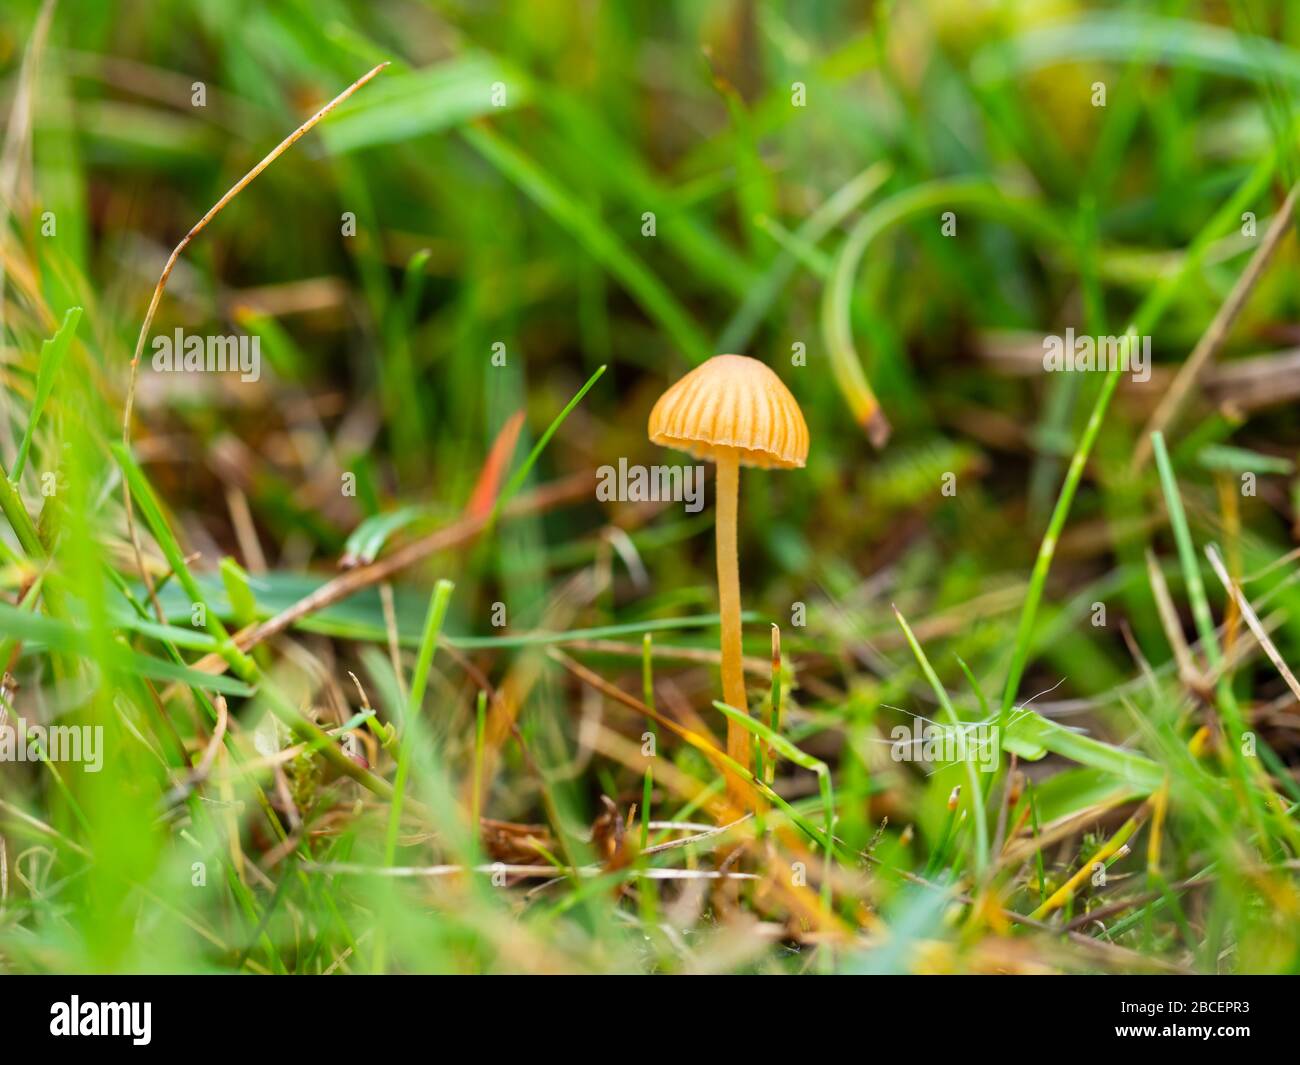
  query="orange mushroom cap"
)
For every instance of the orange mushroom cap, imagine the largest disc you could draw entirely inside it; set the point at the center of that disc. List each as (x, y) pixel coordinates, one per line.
(737, 403)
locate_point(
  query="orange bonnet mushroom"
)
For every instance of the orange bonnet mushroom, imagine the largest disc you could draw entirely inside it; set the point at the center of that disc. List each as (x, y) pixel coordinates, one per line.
(734, 411)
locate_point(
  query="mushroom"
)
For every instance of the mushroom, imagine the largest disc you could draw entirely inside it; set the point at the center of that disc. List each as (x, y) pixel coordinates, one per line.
(734, 411)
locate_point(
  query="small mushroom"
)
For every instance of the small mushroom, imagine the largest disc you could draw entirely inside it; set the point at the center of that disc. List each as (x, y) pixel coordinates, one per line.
(734, 411)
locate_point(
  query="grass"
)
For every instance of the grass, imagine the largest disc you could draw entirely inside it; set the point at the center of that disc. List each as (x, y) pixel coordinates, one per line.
(469, 281)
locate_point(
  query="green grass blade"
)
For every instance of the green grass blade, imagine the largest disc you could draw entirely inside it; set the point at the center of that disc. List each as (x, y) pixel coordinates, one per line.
(53, 352)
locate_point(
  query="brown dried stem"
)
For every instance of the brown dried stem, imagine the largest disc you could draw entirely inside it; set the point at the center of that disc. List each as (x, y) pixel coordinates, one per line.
(1189, 373)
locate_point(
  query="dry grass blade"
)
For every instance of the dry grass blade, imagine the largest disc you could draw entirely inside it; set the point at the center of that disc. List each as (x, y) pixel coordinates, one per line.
(354, 580)
(1171, 404)
(549, 872)
(1252, 619)
(1173, 629)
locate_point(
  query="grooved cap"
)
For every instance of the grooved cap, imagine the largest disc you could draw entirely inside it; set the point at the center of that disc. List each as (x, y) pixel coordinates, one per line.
(732, 402)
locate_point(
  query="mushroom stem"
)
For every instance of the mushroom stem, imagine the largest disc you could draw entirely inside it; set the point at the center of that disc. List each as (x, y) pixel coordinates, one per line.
(733, 676)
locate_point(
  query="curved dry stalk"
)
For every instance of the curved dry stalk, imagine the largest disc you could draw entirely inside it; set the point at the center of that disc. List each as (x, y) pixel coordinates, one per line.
(1189, 373)
(195, 230)
(1252, 620)
(218, 734)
